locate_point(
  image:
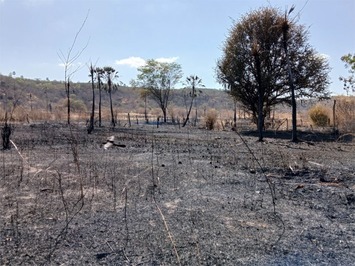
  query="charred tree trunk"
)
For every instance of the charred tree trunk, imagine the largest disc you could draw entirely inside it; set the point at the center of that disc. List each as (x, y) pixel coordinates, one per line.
(188, 112)
(145, 110)
(164, 113)
(67, 84)
(113, 123)
(285, 28)
(92, 116)
(100, 98)
(260, 121)
(235, 115)
(5, 134)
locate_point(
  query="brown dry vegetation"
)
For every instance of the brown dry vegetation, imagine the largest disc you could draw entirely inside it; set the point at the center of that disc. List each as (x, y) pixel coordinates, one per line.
(39, 100)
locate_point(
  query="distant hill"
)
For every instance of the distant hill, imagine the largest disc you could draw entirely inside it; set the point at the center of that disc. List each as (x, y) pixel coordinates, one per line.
(39, 94)
(49, 96)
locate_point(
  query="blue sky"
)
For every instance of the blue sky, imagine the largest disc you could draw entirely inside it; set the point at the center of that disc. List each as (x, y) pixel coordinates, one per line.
(124, 33)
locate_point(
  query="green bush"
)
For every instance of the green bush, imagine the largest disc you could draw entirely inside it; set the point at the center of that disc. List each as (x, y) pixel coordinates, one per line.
(76, 105)
(319, 116)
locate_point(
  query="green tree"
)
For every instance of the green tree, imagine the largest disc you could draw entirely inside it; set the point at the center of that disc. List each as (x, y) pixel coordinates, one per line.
(109, 75)
(349, 82)
(192, 84)
(158, 79)
(253, 67)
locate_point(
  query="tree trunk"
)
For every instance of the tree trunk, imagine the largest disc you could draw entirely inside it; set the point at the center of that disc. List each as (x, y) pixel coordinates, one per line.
(5, 134)
(92, 116)
(235, 115)
(68, 97)
(99, 81)
(290, 78)
(164, 113)
(145, 110)
(188, 114)
(111, 107)
(293, 99)
(334, 116)
(294, 112)
(260, 97)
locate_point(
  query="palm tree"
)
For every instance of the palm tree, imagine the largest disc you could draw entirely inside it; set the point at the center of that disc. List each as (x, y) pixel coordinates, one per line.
(92, 116)
(192, 82)
(99, 74)
(110, 74)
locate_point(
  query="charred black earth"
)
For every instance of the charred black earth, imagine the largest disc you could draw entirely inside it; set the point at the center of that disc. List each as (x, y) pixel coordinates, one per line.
(175, 196)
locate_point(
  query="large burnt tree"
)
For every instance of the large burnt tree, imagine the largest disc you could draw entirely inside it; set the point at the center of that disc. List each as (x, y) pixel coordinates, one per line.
(254, 69)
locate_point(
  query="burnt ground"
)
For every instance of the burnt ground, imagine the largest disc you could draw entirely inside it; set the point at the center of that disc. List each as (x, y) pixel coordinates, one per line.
(175, 196)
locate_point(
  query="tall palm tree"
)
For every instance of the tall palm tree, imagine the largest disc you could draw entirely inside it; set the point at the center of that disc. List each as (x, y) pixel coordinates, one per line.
(193, 82)
(109, 74)
(92, 116)
(99, 74)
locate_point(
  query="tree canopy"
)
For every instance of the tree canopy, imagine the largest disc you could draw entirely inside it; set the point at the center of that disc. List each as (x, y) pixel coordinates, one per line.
(349, 82)
(158, 78)
(254, 61)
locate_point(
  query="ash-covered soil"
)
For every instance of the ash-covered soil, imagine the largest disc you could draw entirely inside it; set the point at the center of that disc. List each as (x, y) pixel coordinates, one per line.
(175, 196)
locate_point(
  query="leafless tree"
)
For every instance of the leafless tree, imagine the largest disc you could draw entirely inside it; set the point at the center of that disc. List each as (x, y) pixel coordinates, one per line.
(68, 60)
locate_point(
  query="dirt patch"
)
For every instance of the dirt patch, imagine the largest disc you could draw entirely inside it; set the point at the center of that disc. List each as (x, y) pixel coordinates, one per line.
(175, 196)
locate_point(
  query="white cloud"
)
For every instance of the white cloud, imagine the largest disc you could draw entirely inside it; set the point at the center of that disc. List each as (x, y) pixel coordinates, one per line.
(167, 59)
(324, 56)
(37, 2)
(136, 62)
(132, 61)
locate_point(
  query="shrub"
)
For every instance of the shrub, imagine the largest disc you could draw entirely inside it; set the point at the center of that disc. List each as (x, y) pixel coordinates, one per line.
(76, 105)
(211, 119)
(345, 113)
(319, 115)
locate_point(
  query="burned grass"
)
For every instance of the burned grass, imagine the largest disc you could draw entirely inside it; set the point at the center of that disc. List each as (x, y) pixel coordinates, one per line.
(174, 196)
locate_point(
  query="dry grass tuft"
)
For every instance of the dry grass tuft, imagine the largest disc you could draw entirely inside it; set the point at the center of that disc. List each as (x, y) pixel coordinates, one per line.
(345, 114)
(319, 115)
(211, 119)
